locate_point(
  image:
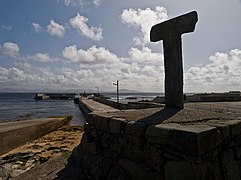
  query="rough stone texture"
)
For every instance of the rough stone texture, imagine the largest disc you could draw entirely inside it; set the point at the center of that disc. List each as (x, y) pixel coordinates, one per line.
(196, 139)
(175, 170)
(116, 125)
(229, 167)
(170, 32)
(234, 126)
(135, 128)
(102, 124)
(161, 144)
(161, 133)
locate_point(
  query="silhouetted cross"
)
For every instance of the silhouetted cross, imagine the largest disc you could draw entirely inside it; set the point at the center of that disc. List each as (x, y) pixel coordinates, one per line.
(170, 32)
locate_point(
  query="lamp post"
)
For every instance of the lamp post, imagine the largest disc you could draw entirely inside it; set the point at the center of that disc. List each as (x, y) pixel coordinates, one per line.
(98, 89)
(117, 92)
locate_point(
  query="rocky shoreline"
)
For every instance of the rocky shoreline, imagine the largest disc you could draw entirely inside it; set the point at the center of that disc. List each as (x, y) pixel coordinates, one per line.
(39, 151)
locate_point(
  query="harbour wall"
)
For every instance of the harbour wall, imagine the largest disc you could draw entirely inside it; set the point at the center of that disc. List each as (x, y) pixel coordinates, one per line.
(129, 105)
(113, 148)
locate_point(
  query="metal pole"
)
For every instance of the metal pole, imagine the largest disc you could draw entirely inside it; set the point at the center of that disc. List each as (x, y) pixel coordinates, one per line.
(117, 93)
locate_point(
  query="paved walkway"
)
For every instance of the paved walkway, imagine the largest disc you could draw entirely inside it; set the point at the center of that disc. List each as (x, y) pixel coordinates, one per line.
(96, 106)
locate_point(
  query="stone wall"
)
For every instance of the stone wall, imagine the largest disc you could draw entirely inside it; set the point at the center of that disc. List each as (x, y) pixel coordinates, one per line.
(129, 105)
(114, 148)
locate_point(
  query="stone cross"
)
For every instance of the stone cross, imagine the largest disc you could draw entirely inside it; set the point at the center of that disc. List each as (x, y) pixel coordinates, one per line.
(170, 32)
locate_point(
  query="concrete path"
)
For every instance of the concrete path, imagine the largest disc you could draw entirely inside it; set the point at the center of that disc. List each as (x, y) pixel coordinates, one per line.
(96, 106)
(15, 134)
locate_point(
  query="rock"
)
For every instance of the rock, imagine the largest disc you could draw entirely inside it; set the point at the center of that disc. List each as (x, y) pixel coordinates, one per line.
(29, 163)
(16, 166)
(101, 123)
(135, 169)
(4, 173)
(135, 128)
(19, 162)
(91, 119)
(229, 166)
(17, 172)
(36, 146)
(116, 125)
(222, 127)
(179, 170)
(161, 133)
(196, 139)
(234, 126)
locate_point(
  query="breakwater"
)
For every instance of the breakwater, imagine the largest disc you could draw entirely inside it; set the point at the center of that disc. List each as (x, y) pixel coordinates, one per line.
(44, 96)
(160, 143)
(129, 105)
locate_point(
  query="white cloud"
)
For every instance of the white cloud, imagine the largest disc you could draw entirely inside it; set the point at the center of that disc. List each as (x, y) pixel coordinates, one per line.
(40, 57)
(93, 54)
(80, 3)
(145, 56)
(55, 29)
(97, 2)
(223, 73)
(37, 27)
(81, 24)
(143, 19)
(142, 69)
(9, 49)
(7, 28)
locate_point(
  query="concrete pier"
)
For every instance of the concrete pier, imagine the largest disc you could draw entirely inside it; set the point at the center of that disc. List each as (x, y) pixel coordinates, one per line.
(15, 134)
(89, 105)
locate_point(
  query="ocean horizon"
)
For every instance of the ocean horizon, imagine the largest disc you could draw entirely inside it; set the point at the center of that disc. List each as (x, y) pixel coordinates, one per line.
(23, 106)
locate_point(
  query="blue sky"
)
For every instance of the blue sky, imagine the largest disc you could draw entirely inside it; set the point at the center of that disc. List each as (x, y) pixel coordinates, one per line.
(80, 45)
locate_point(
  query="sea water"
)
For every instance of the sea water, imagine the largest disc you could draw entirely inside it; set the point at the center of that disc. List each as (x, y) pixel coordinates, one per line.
(23, 106)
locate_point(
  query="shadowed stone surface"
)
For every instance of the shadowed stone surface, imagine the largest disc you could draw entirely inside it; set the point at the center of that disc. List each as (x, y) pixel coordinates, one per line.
(170, 32)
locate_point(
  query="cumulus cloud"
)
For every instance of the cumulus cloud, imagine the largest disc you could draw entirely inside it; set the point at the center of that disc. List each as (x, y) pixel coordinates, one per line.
(93, 54)
(9, 49)
(55, 29)
(81, 24)
(36, 27)
(144, 20)
(80, 3)
(222, 73)
(40, 57)
(145, 56)
(95, 66)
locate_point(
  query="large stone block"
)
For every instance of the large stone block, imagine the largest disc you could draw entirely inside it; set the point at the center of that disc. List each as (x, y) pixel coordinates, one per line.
(160, 133)
(223, 128)
(91, 119)
(102, 123)
(196, 139)
(180, 170)
(135, 128)
(116, 125)
(234, 126)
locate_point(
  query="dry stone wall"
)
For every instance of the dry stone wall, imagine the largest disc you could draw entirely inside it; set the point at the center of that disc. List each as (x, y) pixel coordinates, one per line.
(114, 148)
